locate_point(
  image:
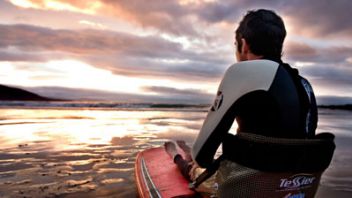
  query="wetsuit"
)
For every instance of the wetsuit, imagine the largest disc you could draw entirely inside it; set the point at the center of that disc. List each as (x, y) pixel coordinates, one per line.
(266, 98)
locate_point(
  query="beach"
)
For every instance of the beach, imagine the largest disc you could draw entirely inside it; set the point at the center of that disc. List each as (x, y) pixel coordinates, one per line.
(89, 151)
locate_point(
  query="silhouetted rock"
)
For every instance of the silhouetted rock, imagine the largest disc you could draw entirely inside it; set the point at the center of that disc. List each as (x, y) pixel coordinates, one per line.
(12, 93)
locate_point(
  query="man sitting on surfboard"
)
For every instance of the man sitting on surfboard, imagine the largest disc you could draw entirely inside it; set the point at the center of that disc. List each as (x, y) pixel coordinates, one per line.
(264, 95)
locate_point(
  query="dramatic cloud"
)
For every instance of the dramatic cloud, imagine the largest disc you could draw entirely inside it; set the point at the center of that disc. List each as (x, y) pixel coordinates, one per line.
(333, 75)
(320, 17)
(119, 52)
(158, 14)
(296, 50)
(303, 52)
(315, 17)
(328, 68)
(21, 56)
(188, 42)
(83, 42)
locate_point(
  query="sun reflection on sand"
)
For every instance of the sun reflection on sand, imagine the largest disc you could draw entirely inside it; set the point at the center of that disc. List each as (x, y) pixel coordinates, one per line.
(68, 129)
(91, 152)
(54, 152)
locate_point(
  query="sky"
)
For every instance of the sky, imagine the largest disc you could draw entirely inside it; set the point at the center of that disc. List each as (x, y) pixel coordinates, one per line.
(162, 50)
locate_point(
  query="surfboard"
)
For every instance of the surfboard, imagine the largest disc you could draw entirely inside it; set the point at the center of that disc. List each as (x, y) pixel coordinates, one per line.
(157, 176)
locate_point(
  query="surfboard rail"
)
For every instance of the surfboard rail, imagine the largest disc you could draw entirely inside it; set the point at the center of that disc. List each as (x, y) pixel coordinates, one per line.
(157, 176)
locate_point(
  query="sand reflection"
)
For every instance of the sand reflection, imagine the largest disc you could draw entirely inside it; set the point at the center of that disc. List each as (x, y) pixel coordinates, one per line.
(58, 152)
(91, 153)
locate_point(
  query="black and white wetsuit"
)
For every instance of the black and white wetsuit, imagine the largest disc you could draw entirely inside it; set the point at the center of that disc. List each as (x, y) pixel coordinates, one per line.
(265, 99)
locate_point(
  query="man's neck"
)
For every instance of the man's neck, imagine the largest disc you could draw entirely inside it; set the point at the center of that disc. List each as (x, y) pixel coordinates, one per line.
(251, 56)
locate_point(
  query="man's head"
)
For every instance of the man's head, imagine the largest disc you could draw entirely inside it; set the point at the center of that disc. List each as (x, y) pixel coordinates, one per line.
(260, 34)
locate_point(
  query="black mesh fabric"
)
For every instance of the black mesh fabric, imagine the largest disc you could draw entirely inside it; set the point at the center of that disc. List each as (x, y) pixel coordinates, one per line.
(263, 167)
(242, 182)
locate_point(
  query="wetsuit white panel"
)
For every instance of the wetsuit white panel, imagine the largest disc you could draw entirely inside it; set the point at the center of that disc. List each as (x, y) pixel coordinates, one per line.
(240, 79)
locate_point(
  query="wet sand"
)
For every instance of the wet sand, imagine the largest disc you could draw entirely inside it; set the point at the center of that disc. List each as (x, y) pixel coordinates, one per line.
(99, 169)
(90, 153)
(95, 171)
(61, 153)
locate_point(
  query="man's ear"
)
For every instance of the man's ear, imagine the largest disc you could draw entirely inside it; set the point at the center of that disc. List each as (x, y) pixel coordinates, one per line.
(245, 46)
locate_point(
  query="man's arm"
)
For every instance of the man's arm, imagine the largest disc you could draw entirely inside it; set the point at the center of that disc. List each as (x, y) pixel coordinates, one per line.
(239, 79)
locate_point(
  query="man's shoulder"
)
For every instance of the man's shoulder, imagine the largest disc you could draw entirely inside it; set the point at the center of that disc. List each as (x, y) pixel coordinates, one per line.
(254, 64)
(250, 75)
(261, 66)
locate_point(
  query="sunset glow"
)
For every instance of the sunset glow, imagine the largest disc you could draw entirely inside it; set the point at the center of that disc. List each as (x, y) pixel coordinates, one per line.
(89, 7)
(175, 49)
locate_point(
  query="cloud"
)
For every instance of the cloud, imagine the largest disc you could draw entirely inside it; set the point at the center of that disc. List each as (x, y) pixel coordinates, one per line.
(310, 18)
(167, 16)
(321, 17)
(83, 94)
(81, 41)
(174, 91)
(202, 24)
(156, 14)
(314, 18)
(332, 79)
(176, 96)
(11, 56)
(92, 24)
(181, 94)
(71, 5)
(328, 68)
(298, 51)
(189, 71)
(331, 73)
(118, 52)
(153, 56)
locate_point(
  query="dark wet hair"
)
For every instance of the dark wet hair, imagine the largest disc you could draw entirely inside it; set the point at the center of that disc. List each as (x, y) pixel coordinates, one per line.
(264, 32)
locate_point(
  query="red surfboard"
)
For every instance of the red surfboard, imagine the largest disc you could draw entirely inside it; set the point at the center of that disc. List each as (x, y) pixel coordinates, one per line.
(157, 175)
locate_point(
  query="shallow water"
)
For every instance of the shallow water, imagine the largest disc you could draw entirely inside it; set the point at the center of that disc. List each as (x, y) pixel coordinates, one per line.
(91, 152)
(339, 174)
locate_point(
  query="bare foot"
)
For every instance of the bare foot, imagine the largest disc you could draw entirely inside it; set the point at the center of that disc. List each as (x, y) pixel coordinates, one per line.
(186, 149)
(170, 148)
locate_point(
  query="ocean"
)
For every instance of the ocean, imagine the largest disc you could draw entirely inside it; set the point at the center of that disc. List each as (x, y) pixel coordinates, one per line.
(88, 149)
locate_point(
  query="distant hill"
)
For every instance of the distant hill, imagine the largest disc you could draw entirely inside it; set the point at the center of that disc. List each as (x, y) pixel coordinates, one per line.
(12, 93)
(341, 107)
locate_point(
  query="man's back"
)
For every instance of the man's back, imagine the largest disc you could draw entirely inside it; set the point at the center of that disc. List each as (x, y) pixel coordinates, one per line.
(278, 111)
(262, 96)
